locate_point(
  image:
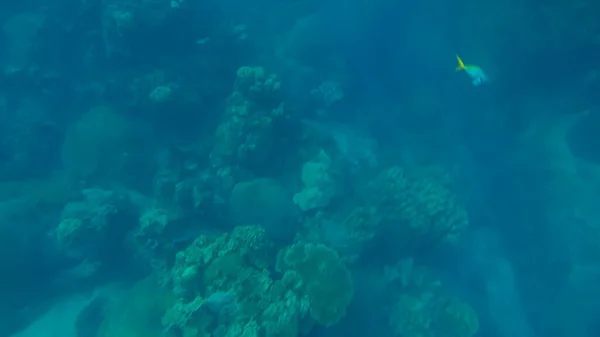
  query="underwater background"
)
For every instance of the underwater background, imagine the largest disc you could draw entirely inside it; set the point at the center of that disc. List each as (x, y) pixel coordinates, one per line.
(263, 168)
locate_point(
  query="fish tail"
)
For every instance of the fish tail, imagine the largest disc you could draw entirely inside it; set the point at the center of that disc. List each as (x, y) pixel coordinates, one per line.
(461, 65)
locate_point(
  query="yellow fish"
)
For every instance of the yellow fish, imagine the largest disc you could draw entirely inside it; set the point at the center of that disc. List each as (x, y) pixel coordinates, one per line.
(475, 72)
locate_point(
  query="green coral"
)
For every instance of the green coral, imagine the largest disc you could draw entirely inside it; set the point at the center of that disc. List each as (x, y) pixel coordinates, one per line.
(325, 279)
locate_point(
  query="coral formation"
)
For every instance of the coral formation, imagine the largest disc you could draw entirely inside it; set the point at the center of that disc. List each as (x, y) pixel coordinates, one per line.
(419, 210)
(324, 279)
(246, 133)
(314, 280)
(98, 222)
(421, 306)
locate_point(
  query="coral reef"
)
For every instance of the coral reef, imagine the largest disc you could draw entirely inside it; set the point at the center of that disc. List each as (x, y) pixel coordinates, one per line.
(240, 167)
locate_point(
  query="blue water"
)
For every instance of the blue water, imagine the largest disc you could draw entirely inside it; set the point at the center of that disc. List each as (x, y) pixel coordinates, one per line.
(299, 168)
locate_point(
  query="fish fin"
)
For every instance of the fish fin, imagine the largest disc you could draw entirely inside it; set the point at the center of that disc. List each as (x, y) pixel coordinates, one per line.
(461, 65)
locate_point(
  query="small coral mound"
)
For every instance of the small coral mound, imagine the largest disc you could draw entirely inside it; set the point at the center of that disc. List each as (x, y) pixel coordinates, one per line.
(99, 222)
(422, 306)
(429, 315)
(325, 279)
